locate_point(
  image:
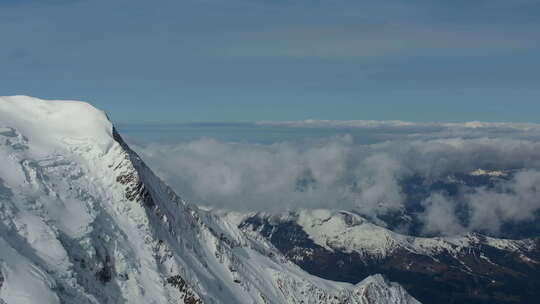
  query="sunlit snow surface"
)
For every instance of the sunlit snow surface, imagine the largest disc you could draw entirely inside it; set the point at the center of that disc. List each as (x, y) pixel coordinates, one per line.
(83, 220)
(349, 232)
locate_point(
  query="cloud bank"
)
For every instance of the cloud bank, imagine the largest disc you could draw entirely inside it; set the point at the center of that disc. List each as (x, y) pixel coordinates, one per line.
(341, 171)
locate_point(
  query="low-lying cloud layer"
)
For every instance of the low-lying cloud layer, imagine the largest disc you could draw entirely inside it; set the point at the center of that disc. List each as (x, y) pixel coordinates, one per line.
(341, 171)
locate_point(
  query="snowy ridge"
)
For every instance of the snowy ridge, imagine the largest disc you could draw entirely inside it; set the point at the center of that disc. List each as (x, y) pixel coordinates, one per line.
(348, 232)
(83, 220)
(344, 246)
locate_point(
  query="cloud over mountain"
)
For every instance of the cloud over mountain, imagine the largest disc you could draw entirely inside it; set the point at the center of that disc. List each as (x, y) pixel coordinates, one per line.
(341, 170)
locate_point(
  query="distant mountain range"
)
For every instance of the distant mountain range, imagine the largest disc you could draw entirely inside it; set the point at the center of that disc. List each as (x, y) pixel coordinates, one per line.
(344, 246)
(348, 246)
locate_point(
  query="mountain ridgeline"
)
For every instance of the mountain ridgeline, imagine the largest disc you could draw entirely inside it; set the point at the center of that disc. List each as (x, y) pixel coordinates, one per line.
(344, 246)
(84, 220)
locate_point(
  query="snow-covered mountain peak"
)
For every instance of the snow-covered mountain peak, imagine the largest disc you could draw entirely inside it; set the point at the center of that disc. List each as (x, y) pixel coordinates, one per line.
(47, 124)
(84, 220)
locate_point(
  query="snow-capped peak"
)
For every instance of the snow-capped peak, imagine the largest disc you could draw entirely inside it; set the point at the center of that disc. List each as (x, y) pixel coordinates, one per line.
(84, 220)
(49, 123)
(491, 173)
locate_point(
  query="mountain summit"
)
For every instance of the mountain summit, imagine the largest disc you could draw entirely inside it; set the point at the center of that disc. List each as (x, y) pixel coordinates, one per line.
(84, 220)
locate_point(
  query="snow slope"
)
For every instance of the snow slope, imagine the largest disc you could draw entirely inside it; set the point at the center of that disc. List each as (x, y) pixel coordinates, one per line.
(343, 246)
(349, 232)
(83, 220)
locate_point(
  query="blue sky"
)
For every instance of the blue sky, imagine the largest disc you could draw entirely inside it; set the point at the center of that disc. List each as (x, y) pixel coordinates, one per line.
(240, 60)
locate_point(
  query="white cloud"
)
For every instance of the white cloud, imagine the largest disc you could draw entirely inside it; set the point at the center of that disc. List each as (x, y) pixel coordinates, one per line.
(339, 172)
(440, 216)
(250, 176)
(422, 127)
(517, 202)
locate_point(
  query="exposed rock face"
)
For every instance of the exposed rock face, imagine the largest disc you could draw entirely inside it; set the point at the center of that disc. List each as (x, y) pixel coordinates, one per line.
(178, 282)
(344, 247)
